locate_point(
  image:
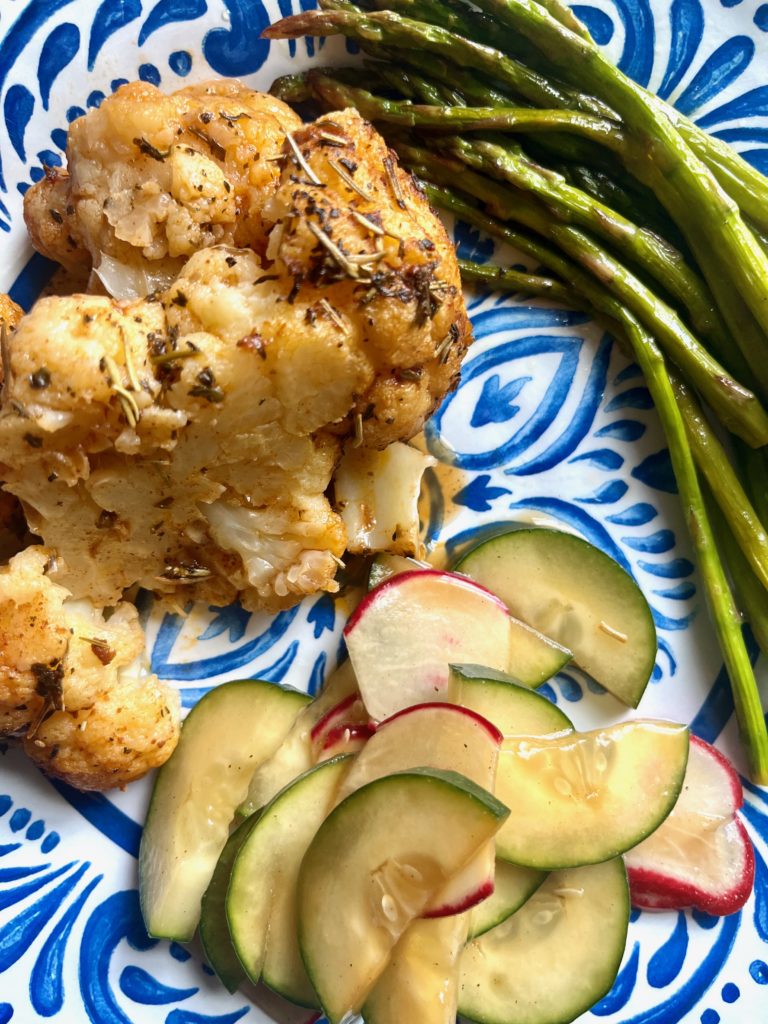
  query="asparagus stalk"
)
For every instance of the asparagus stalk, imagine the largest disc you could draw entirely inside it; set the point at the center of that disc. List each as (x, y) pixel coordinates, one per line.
(628, 195)
(528, 245)
(750, 338)
(754, 470)
(706, 214)
(745, 185)
(750, 593)
(292, 88)
(735, 405)
(716, 468)
(336, 93)
(516, 281)
(740, 180)
(562, 12)
(655, 256)
(724, 612)
(391, 29)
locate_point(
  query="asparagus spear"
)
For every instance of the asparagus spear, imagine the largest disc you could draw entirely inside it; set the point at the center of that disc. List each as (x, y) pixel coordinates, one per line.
(706, 214)
(716, 468)
(735, 405)
(562, 12)
(327, 85)
(627, 194)
(656, 257)
(530, 246)
(292, 88)
(743, 325)
(725, 614)
(507, 280)
(754, 471)
(745, 185)
(393, 30)
(741, 181)
(750, 593)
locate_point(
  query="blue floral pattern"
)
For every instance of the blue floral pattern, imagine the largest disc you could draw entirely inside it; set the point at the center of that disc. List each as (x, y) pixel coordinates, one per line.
(550, 424)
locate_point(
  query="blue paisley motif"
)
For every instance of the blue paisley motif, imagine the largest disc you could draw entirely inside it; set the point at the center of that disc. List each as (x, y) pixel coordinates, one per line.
(46, 983)
(169, 12)
(686, 23)
(622, 989)
(17, 108)
(690, 992)
(110, 18)
(539, 420)
(581, 420)
(239, 50)
(58, 50)
(639, 39)
(599, 24)
(141, 987)
(753, 103)
(667, 962)
(724, 66)
(204, 668)
(115, 920)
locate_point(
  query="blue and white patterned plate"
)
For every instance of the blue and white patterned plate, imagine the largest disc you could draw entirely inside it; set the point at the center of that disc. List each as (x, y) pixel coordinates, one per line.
(551, 422)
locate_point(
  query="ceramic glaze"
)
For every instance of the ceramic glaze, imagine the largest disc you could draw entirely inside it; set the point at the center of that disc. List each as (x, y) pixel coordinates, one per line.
(550, 424)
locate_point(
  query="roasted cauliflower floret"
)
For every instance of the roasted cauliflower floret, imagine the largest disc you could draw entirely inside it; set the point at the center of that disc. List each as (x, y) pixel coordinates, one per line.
(361, 243)
(71, 682)
(154, 178)
(186, 441)
(158, 424)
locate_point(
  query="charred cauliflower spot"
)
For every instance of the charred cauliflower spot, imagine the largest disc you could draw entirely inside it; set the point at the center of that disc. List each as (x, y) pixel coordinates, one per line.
(72, 683)
(153, 178)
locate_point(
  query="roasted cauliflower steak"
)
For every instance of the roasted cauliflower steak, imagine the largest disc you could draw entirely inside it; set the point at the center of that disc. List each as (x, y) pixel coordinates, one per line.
(185, 441)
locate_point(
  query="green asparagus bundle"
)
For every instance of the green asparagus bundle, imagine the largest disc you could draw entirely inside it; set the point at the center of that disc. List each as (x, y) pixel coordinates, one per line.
(519, 125)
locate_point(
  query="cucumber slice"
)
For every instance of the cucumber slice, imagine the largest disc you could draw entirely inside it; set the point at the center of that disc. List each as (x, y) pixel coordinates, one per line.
(513, 709)
(585, 797)
(513, 887)
(261, 899)
(376, 857)
(533, 657)
(446, 737)
(296, 753)
(555, 957)
(573, 592)
(225, 737)
(420, 984)
(214, 929)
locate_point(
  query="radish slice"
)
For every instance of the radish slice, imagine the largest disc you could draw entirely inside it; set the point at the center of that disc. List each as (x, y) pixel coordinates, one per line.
(345, 739)
(348, 713)
(406, 632)
(701, 856)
